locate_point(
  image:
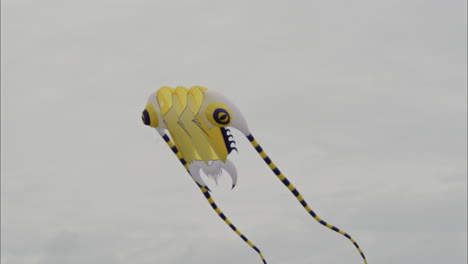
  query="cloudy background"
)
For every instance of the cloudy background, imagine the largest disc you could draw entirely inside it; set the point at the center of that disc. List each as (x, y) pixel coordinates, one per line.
(362, 104)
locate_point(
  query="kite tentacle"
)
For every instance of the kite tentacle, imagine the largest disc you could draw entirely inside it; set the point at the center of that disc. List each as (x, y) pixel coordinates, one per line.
(298, 196)
(208, 197)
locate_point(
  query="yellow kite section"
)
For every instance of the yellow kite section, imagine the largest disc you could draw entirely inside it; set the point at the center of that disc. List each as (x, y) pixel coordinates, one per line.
(180, 108)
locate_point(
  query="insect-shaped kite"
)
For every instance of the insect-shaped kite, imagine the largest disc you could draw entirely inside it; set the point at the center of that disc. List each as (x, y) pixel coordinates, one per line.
(198, 122)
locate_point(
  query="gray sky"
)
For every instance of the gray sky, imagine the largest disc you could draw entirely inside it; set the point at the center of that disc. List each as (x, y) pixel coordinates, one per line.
(362, 104)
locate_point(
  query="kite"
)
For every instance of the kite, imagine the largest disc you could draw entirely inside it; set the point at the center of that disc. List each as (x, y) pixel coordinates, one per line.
(198, 122)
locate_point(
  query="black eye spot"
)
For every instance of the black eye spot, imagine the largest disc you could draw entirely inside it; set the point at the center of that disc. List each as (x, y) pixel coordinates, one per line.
(145, 117)
(221, 116)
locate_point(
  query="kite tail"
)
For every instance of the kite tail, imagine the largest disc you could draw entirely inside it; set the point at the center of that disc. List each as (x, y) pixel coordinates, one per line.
(208, 197)
(298, 196)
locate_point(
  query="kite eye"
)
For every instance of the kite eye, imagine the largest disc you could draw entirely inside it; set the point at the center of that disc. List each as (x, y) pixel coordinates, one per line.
(145, 118)
(149, 116)
(219, 115)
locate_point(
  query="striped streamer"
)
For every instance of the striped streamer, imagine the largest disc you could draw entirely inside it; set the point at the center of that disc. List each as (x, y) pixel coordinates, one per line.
(298, 196)
(208, 197)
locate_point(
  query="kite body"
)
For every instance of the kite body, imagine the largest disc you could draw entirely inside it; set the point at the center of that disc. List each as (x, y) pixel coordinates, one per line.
(197, 127)
(198, 122)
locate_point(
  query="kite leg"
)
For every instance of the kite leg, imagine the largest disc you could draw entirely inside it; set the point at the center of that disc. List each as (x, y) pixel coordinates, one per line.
(298, 196)
(208, 197)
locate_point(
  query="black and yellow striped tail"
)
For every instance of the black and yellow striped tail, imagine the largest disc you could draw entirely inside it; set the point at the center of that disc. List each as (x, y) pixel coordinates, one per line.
(208, 197)
(298, 196)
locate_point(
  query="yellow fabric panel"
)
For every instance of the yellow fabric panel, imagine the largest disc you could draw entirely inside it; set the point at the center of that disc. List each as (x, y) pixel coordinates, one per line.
(187, 136)
(180, 108)
(164, 96)
(180, 98)
(215, 139)
(181, 139)
(200, 138)
(200, 121)
(197, 92)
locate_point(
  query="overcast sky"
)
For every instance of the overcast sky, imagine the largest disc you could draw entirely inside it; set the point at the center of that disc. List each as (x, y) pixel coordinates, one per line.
(362, 105)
